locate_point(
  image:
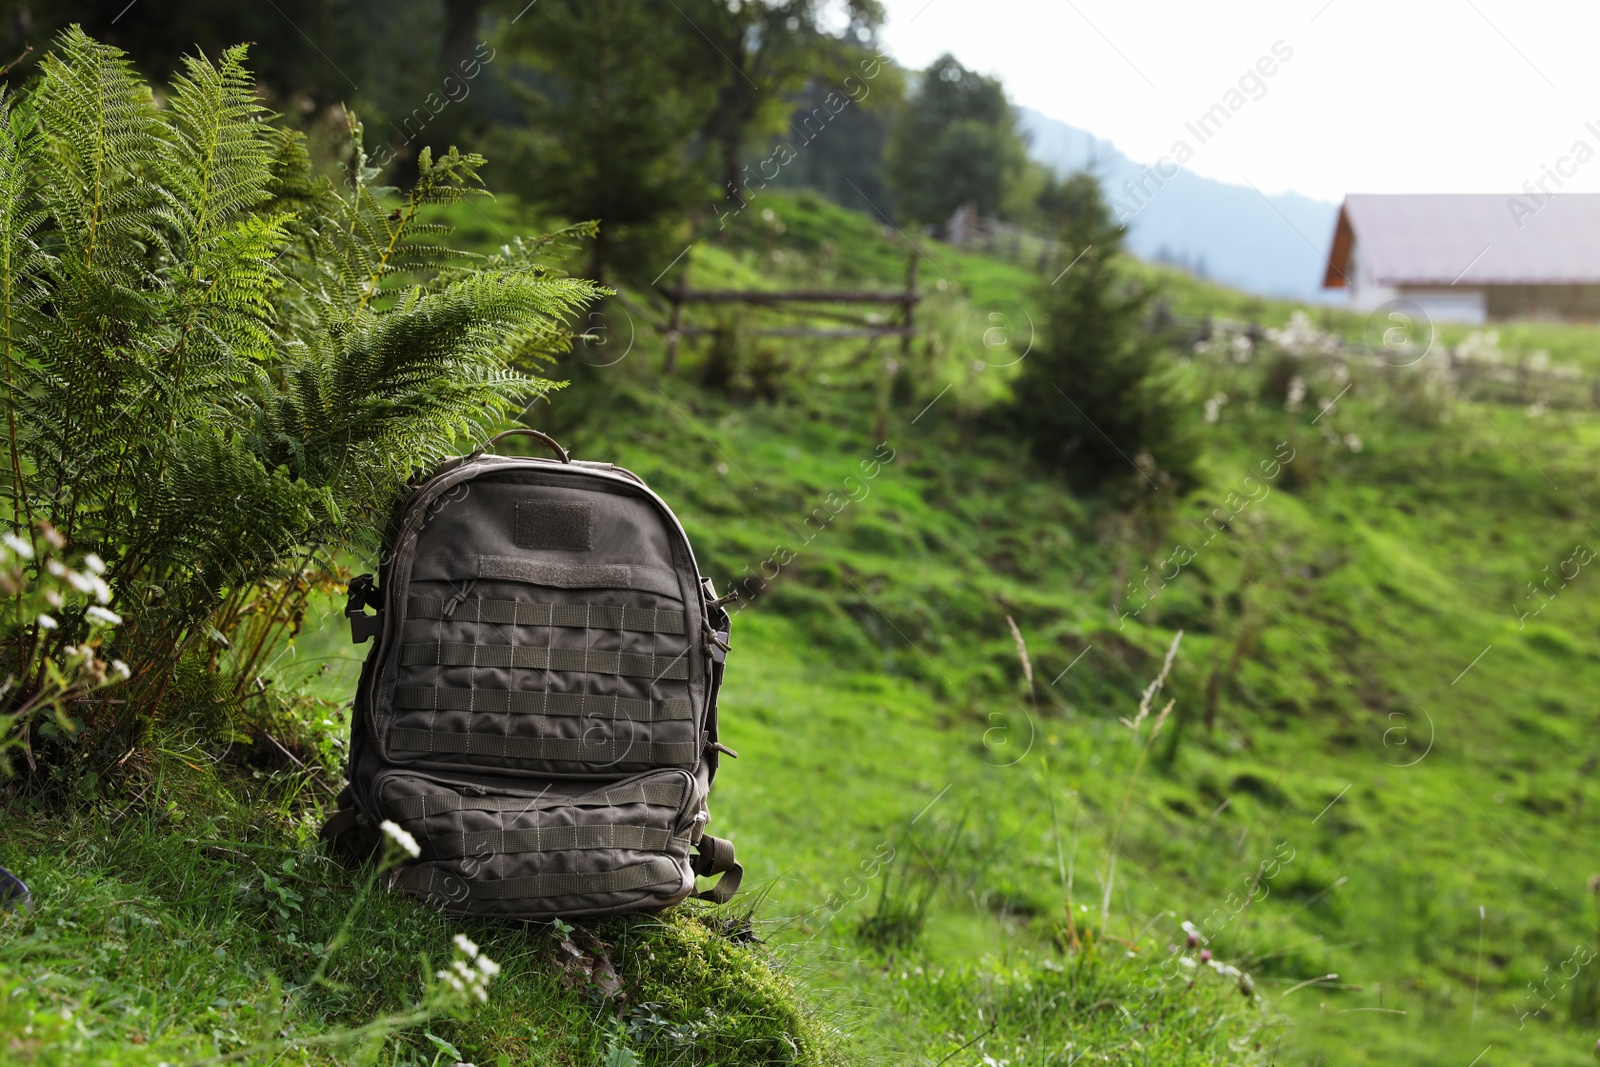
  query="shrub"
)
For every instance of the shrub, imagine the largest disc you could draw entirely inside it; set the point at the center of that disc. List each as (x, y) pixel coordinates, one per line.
(218, 364)
(1098, 398)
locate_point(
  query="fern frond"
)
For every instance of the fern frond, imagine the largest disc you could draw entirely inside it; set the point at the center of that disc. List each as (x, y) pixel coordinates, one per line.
(215, 163)
(100, 128)
(20, 293)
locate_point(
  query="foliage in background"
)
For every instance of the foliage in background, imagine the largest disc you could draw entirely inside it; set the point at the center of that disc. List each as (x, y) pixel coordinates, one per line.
(216, 363)
(605, 141)
(954, 143)
(1097, 398)
(770, 50)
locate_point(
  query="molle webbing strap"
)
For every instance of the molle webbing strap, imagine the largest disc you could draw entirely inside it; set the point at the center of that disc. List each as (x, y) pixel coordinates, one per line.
(433, 884)
(661, 794)
(558, 575)
(547, 839)
(571, 750)
(531, 702)
(573, 616)
(531, 657)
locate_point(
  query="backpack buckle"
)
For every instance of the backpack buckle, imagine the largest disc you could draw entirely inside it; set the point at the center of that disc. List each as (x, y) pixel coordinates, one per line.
(362, 595)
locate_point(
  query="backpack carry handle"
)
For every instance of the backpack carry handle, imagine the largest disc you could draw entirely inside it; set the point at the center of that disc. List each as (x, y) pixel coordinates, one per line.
(555, 445)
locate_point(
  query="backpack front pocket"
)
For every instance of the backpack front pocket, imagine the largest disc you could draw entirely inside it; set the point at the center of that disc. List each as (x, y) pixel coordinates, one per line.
(555, 849)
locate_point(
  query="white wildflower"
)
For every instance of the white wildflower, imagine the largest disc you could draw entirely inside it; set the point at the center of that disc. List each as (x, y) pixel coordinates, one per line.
(47, 623)
(105, 615)
(18, 545)
(1227, 970)
(1214, 406)
(452, 981)
(95, 564)
(1481, 347)
(121, 668)
(465, 945)
(1297, 393)
(489, 967)
(56, 568)
(1302, 337)
(401, 837)
(102, 591)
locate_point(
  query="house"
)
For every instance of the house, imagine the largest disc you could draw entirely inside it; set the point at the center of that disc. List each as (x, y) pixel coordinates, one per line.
(1470, 257)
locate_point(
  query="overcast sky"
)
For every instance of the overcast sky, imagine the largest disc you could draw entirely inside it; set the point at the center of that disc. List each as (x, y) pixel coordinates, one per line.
(1387, 97)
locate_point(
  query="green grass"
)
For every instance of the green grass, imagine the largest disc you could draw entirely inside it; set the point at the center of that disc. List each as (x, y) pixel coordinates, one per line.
(946, 862)
(198, 927)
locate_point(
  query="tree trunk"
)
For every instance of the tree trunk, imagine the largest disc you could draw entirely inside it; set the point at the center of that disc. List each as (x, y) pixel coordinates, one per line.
(461, 21)
(596, 268)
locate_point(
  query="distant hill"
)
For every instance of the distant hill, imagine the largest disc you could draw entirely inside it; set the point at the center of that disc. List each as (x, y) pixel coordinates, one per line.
(1226, 232)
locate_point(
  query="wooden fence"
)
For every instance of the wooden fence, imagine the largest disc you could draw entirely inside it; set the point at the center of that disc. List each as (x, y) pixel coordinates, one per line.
(810, 303)
(1495, 382)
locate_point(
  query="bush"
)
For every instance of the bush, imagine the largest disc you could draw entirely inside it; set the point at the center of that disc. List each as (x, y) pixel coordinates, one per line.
(219, 367)
(1098, 399)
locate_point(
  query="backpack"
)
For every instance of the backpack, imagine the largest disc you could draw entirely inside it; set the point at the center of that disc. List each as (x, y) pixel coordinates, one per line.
(539, 711)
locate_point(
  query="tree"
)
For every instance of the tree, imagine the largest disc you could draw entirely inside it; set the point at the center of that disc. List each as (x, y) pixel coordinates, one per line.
(215, 362)
(1097, 398)
(955, 143)
(398, 63)
(616, 96)
(763, 53)
(842, 160)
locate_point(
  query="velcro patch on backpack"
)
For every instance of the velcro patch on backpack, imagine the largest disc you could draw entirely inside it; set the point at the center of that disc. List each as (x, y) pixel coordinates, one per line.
(560, 525)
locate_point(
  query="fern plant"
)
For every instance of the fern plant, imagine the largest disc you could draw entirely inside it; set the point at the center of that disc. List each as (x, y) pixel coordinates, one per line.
(219, 365)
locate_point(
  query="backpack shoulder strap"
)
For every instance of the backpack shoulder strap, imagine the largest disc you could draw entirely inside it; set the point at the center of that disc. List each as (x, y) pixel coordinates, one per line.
(346, 834)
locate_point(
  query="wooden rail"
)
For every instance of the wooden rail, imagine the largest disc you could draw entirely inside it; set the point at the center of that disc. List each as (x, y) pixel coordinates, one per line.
(904, 301)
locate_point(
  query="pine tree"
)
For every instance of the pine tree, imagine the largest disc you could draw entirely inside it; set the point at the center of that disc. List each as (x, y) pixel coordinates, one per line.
(1097, 398)
(217, 362)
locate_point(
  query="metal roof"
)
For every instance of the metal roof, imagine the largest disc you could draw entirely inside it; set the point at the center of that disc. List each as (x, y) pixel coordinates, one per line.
(1469, 239)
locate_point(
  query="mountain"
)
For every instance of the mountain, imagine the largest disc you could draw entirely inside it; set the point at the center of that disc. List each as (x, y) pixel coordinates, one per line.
(1275, 245)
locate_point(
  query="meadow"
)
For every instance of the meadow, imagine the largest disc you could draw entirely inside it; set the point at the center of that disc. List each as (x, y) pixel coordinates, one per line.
(975, 831)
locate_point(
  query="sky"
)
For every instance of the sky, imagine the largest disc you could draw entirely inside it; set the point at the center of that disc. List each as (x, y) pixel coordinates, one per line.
(1401, 96)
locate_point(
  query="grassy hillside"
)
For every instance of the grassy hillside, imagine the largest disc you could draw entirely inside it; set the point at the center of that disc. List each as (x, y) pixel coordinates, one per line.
(1369, 798)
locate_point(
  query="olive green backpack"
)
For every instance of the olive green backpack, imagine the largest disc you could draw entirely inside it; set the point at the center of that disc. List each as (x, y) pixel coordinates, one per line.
(539, 711)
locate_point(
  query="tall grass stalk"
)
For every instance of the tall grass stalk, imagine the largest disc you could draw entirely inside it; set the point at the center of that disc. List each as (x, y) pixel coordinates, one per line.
(1144, 753)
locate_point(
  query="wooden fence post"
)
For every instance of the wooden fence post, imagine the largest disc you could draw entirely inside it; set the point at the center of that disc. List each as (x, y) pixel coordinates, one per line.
(676, 320)
(907, 320)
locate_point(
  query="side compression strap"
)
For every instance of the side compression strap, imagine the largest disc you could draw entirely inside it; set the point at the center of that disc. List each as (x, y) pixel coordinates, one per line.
(715, 856)
(531, 702)
(572, 750)
(573, 616)
(582, 661)
(430, 883)
(661, 794)
(547, 839)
